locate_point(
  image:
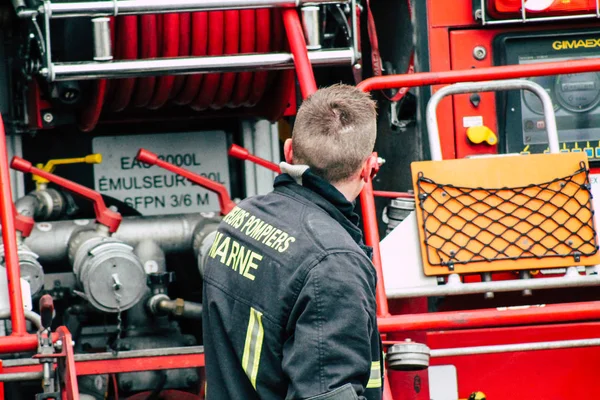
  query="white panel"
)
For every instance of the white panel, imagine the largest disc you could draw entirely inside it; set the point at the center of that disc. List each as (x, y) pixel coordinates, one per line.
(25, 292)
(249, 168)
(595, 181)
(443, 382)
(263, 148)
(401, 257)
(152, 190)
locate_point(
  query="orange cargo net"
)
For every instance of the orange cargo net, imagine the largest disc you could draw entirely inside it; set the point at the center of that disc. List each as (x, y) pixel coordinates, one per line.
(505, 213)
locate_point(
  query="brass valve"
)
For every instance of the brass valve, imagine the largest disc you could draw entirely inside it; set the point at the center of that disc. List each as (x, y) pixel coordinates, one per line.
(51, 165)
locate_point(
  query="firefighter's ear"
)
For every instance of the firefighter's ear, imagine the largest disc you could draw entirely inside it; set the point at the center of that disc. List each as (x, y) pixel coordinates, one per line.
(370, 168)
(288, 152)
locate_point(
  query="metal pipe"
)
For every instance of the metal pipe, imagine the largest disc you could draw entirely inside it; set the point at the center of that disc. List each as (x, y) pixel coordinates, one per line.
(22, 376)
(190, 65)
(509, 348)
(18, 4)
(472, 87)
(570, 280)
(173, 233)
(28, 205)
(369, 215)
(355, 32)
(179, 308)
(122, 355)
(102, 39)
(480, 74)
(311, 22)
(136, 7)
(34, 318)
(529, 315)
(9, 239)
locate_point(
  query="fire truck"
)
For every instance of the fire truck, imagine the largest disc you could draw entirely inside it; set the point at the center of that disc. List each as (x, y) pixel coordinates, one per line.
(129, 128)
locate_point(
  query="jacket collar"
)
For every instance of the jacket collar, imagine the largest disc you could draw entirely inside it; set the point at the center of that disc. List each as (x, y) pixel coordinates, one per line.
(300, 180)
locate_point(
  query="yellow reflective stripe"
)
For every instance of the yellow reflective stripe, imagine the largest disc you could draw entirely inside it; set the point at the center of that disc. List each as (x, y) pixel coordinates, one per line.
(375, 377)
(253, 345)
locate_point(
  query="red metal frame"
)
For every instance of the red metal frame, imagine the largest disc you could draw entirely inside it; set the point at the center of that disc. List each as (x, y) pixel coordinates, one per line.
(122, 365)
(439, 321)
(9, 238)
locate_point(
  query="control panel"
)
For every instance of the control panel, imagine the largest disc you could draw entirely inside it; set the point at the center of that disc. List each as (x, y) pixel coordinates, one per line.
(576, 97)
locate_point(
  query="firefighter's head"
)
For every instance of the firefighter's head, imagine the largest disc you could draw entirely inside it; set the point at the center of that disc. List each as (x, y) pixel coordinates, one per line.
(334, 134)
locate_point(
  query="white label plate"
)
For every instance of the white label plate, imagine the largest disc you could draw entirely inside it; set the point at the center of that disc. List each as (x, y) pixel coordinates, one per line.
(152, 190)
(472, 121)
(595, 182)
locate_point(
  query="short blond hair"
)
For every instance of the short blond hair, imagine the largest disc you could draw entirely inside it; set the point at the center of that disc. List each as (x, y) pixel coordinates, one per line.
(335, 131)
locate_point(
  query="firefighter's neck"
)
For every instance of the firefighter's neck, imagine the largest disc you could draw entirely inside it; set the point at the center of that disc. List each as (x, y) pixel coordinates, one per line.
(350, 188)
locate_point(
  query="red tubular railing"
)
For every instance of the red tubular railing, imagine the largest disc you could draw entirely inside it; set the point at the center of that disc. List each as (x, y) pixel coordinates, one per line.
(295, 35)
(393, 195)
(554, 313)
(9, 238)
(479, 74)
(449, 77)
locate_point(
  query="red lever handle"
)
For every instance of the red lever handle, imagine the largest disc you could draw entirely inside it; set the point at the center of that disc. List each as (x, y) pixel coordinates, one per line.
(46, 310)
(104, 216)
(243, 154)
(23, 224)
(225, 202)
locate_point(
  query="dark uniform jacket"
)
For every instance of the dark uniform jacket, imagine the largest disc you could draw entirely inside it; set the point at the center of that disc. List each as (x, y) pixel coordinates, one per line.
(289, 299)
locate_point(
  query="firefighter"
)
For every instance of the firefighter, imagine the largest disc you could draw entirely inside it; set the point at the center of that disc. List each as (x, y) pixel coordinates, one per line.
(289, 287)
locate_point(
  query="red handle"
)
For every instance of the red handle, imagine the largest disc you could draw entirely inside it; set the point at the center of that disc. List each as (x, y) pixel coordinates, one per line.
(46, 310)
(23, 224)
(243, 154)
(393, 195)
(225, 202)
(104, 216)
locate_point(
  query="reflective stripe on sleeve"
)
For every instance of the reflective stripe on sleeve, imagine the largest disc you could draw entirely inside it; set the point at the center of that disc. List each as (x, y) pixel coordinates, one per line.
(375, 377)
(253, 345)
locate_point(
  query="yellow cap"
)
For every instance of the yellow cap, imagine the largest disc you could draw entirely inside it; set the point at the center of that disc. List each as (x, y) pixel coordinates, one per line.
(480, 134)
(51, 165)
(477, 396)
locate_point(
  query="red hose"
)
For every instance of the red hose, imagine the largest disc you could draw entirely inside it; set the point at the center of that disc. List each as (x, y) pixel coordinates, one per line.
(91, 113)
(9, 238)
(247, 45)
(168, 35)
(263, 45)
(126, 49)
(199, 48)
(185, 38)
(295, 35)
(148, 49)
(278, 37)
(193, 34)
(232, 35)
(210, 83)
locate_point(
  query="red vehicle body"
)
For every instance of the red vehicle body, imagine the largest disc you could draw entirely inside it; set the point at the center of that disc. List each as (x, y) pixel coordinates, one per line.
(186, 66)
